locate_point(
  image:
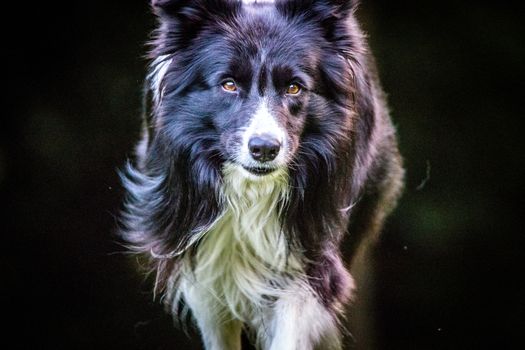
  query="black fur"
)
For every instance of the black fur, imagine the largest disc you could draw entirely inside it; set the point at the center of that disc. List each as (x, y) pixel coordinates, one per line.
(344, 148)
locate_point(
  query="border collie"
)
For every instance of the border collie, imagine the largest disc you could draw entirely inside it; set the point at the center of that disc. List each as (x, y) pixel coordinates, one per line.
(266, 142)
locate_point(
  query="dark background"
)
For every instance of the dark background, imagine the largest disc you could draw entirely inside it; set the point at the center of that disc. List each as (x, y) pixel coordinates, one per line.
(450, 262)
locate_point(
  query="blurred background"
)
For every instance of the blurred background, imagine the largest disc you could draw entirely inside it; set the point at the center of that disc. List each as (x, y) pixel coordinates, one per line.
(449, 264)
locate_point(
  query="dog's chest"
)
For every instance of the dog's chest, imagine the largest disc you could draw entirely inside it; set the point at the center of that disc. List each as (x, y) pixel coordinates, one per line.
(244, 259)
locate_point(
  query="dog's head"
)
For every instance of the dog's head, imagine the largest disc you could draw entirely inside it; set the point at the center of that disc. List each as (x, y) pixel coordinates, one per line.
(255, 85)
(267, 89)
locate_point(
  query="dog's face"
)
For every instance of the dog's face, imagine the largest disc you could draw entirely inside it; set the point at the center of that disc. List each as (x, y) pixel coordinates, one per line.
(249, 85)
(278, 92)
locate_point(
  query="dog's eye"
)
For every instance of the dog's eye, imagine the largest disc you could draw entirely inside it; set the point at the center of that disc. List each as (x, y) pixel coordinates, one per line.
(229, 85)
(293, 89)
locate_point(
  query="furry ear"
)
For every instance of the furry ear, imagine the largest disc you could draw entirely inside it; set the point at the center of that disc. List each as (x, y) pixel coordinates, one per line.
(162, 4)
(310, 8)
(331, 15)
(191, 7)
(337, 8)
(163, 8)
(181, 21)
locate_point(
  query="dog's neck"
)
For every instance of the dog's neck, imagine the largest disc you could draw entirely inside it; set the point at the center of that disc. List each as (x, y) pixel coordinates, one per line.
(246, 247)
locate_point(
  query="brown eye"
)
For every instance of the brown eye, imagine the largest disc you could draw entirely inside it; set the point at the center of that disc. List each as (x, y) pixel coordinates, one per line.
(229, 85)
(293, 89)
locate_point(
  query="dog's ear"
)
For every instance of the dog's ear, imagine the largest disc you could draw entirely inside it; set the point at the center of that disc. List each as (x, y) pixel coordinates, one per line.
(309, 8)
(329, 13)
(165, 4)
(181, 21)
(169, 7)
(192, 8)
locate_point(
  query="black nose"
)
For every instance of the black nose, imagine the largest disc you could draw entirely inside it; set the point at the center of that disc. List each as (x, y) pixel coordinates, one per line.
(264, 148)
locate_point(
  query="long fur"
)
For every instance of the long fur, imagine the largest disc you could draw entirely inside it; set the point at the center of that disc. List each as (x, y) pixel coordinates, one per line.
(232, 246)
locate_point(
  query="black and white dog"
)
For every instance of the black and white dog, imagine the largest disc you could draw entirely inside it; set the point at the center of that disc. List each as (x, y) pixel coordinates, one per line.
(266, 142)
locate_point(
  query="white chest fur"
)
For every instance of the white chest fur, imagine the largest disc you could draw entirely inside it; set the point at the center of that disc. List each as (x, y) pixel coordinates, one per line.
(243, 260)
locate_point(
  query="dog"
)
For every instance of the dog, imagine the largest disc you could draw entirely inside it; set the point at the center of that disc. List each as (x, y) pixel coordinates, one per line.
(267, 159)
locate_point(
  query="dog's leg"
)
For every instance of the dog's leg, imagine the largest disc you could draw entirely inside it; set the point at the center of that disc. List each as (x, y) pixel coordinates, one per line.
(301, 322)
(218, 329)
(225, 335)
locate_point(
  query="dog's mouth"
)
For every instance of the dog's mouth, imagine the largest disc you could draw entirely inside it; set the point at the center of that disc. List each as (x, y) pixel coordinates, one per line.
(259, 171)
